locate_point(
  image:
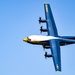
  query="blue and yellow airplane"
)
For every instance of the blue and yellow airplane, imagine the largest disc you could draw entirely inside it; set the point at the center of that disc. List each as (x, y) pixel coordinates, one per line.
(52, 40)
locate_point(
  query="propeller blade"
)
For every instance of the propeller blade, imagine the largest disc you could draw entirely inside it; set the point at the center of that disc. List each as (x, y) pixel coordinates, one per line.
(41, 29)
(45, 55)
(39, 20)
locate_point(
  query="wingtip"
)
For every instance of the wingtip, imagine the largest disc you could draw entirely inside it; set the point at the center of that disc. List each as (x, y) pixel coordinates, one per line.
(58, 71)
(46, 3)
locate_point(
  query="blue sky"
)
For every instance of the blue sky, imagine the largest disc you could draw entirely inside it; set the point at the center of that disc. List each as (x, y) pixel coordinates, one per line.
(19, 19)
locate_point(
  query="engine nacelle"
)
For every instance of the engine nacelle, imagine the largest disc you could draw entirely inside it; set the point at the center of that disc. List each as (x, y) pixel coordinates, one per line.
(43, 30)
(41, 21)
(46, 47)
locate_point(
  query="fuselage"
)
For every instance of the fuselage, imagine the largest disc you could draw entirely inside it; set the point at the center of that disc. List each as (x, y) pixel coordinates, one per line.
(39, 39)
(44, 40)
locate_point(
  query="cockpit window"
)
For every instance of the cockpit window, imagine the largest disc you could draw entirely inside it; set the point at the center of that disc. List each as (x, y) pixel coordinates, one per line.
(28, 39)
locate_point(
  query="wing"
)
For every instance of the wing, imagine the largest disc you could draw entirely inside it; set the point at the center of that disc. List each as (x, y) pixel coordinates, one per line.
(55, 50)
(52, 31)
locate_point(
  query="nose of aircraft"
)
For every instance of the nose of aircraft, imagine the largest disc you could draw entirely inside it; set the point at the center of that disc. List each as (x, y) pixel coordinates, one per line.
(25, 39)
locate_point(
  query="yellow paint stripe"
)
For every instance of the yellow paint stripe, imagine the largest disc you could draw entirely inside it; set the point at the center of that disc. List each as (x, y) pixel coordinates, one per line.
(58, 71)
(46, 8)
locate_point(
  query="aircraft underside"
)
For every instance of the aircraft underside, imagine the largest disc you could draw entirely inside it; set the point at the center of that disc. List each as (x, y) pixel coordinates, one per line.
(46, 44)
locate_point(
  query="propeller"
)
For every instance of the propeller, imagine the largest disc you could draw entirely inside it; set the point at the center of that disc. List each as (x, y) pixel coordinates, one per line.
(39, 20)
(41, 29)
(43, 47)
(45, 55)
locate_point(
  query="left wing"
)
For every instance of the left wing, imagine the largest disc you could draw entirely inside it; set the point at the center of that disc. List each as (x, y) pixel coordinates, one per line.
(52, 31)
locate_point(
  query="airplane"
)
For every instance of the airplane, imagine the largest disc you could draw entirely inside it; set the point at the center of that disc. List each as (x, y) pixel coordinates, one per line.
(52, 41)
